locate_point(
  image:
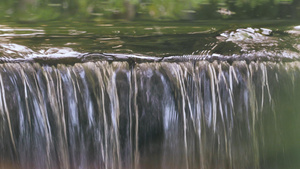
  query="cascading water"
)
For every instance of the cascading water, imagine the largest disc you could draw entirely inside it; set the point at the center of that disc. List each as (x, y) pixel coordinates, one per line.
(118, 114)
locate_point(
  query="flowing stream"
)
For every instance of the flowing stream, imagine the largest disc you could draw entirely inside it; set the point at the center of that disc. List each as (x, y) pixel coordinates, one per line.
(230, 104)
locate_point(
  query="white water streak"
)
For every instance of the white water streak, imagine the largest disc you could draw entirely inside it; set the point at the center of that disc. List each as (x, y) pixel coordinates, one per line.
(4, 106)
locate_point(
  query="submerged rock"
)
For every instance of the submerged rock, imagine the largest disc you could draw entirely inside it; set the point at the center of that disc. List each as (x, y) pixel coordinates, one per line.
(249, 34)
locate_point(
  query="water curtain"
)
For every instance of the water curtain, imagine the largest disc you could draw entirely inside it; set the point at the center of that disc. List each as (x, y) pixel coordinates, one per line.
(123, 115)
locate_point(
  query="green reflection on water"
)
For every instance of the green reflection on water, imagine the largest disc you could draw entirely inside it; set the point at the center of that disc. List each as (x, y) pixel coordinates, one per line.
(35, 10)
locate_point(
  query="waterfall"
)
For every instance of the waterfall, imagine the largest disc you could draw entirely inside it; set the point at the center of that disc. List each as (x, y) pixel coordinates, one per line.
(126, 115)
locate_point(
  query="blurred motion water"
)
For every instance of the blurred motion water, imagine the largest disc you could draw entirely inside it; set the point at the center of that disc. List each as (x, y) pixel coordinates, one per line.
(150, 115)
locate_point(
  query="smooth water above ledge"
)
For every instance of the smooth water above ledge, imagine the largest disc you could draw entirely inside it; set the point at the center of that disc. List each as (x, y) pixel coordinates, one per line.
(114, 114)
(72, 43)
(156, 39)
